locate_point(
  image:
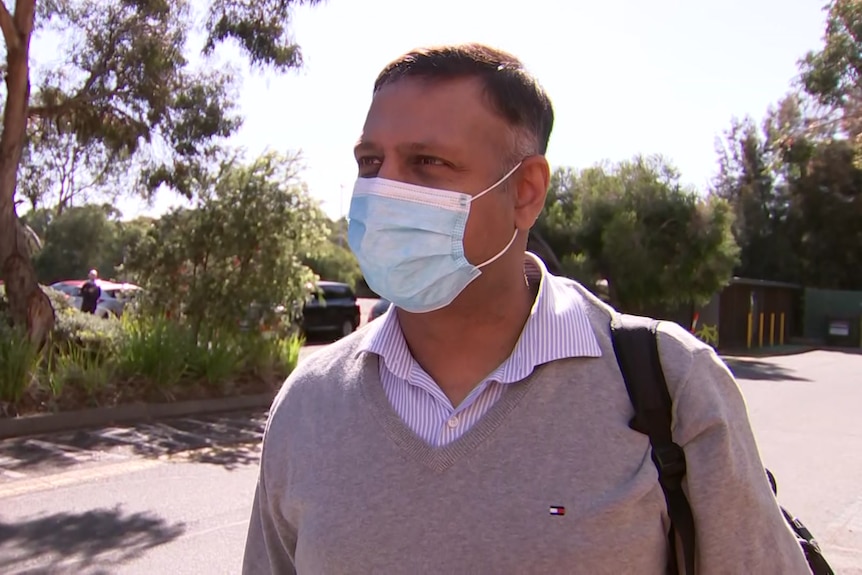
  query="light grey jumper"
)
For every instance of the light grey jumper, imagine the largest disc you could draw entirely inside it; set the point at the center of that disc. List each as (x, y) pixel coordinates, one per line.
(346, 487)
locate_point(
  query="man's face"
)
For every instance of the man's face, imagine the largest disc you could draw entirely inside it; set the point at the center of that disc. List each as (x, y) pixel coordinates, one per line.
(443, 135)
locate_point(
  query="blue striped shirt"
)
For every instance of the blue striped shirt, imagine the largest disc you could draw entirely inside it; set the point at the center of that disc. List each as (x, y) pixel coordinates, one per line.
(557, 328)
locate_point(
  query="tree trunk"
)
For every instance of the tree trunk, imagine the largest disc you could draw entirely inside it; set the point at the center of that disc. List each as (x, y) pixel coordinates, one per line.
(28, 306)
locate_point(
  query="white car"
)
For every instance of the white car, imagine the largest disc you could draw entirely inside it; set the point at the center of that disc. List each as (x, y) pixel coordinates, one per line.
(111, 302)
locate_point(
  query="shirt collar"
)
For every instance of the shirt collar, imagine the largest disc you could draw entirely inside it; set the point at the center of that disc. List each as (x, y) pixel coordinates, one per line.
(557, 328)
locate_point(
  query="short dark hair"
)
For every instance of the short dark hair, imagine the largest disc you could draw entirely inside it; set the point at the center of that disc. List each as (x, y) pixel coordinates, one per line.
(513, 93)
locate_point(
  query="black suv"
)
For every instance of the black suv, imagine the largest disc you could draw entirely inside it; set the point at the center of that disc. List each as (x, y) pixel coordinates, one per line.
(331, 309)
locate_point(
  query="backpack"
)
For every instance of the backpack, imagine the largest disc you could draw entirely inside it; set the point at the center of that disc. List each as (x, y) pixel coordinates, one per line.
(636, 349)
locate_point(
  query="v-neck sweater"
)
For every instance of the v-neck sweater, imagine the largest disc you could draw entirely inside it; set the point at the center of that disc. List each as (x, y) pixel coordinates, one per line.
(551, 480)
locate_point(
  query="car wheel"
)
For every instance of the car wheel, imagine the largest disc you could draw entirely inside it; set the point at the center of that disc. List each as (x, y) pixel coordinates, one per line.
(346, 328)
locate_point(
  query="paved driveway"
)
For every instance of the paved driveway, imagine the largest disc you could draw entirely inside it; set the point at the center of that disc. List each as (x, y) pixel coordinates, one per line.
(805, 410)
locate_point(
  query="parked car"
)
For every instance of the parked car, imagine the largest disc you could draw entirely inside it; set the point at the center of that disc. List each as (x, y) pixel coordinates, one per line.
(381, 307)
(331, 309)
(112, 302)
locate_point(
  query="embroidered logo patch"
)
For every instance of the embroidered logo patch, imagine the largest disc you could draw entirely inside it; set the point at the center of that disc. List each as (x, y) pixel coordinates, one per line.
(556, 510)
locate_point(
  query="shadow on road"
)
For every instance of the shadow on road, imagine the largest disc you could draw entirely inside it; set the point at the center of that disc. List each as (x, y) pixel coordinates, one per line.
(227, 440)
(69, 542)
(229, 457)
(754, 369)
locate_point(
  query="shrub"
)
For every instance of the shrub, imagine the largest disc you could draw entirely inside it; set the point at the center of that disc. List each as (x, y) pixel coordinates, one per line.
(81, 370)
(154, 349)
(74, 328)
(18, 364)
(216, 362)
(94, 361)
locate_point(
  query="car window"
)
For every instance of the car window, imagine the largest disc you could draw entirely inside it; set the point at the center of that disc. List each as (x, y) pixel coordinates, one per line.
(337, 292)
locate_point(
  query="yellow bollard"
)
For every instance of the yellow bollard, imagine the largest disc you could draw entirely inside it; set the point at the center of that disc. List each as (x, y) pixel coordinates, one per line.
(760, 331)
(771, 329)
(781, 334)
(748, 333)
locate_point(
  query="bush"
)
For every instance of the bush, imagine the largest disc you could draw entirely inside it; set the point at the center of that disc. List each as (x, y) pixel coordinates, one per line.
(18, 364)
(154, 349)
(216, 362)
(94, 361)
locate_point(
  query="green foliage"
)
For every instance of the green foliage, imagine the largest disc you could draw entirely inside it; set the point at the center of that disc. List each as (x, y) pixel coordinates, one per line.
(833, 74)
(18, 361)
(92, 361)
(217, 361)
(82, 238)
(76, 241)
(128, 95)
(658, 245)
(259, 28)
(796, 197)
(240, 248)
(333, 260)
(80, 369)
(155, 350)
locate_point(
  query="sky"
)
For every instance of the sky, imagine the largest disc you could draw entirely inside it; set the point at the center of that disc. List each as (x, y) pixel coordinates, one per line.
(625, 76)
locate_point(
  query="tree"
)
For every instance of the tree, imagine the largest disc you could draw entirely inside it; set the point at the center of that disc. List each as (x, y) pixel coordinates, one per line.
(76, 241)
(239, 249)
(81, 238)
(333, 260)
(833, 75)
(751, 178)
(794, 192)
(827, 196)
(658, 245)
(125, 93)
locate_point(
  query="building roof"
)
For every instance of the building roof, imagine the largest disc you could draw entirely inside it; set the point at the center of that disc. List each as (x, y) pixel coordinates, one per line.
(763, 283)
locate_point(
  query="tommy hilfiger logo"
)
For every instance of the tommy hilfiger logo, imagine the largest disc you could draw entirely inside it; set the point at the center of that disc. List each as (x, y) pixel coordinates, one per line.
(556, 510)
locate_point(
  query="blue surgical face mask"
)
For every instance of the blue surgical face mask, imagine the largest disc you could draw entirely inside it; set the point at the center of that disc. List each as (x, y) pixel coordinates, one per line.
(409, 241)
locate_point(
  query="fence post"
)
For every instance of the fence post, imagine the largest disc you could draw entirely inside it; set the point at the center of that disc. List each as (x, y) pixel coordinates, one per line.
(781, 334)
(772, 329)
(748, 333)
(760, 331)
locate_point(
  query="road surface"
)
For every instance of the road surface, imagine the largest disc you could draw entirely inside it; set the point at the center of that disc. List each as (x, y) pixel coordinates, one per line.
(174, 497)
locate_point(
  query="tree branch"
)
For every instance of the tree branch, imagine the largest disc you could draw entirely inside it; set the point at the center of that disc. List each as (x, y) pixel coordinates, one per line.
(10, 31)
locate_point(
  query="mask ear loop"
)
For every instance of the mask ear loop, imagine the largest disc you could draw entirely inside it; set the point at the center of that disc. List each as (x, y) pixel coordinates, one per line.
(499, 255)
(515, 235)
(500, 181)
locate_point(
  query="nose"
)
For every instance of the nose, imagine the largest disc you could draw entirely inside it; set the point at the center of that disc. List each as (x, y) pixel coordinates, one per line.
(392, 169)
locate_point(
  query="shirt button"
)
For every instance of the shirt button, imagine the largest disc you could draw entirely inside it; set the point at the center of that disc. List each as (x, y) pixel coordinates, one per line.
(453, 422)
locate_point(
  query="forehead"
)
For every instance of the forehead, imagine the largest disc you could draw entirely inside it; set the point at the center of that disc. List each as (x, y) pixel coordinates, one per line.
(450, 113)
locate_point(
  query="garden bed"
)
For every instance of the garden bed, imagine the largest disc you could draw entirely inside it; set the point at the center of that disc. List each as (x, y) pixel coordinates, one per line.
(103, 363)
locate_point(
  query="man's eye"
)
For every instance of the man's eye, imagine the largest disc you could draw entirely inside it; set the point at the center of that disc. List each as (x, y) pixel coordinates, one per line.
(430, 161)
(368, 161)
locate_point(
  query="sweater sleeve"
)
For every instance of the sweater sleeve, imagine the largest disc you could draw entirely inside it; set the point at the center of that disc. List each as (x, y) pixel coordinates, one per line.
(271, 541)
(738, 524)
(268, 547)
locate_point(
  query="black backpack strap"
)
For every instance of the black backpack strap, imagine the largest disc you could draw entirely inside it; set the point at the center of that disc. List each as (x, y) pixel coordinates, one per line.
(636, 348)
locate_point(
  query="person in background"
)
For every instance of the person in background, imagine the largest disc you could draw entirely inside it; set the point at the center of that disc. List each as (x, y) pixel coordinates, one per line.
(90, 293)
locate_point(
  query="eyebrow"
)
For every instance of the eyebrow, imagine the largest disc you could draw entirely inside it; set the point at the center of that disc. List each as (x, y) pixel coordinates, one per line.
(429, 147)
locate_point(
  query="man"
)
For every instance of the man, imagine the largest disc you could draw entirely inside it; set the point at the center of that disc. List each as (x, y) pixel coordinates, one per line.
(90, 293)
(481, 426)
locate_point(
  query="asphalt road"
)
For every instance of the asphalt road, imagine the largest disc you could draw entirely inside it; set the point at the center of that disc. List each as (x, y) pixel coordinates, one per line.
(174, 497)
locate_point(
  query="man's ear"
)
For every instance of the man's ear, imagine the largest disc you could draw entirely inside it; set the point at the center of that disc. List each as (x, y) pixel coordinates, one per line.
(535, 177)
